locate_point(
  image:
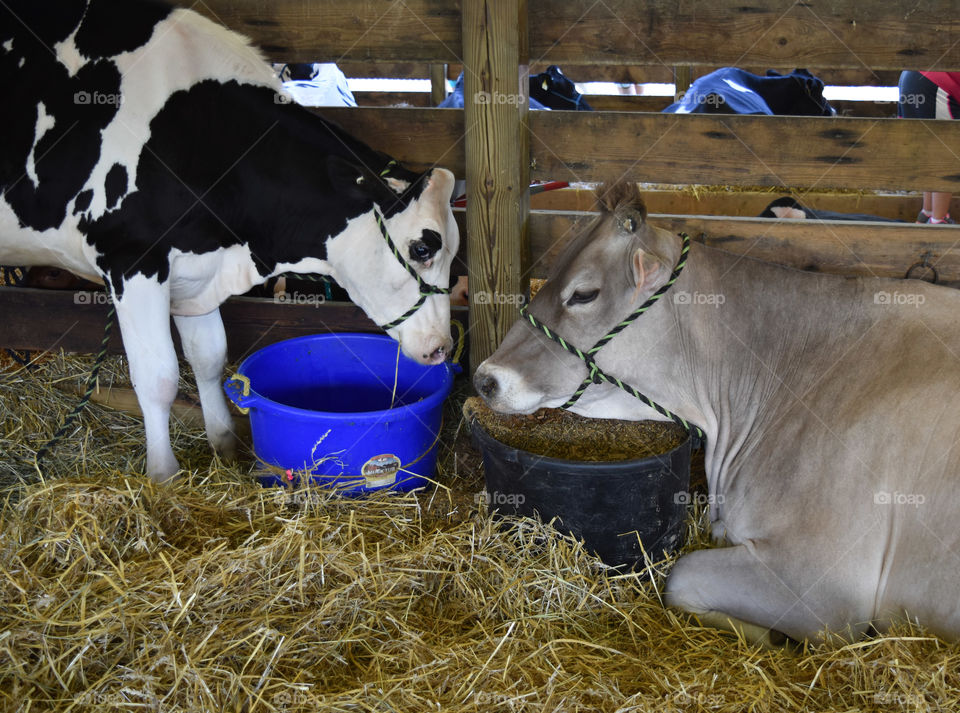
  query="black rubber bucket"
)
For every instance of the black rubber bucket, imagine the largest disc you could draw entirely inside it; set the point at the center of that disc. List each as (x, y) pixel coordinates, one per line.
(612, 506)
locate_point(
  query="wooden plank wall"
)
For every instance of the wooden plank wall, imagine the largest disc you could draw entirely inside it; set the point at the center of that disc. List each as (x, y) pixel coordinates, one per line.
(840, 34)
(700, 149)
(626, 39)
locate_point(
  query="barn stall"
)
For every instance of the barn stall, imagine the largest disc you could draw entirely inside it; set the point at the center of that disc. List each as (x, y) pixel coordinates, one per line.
(218, 595)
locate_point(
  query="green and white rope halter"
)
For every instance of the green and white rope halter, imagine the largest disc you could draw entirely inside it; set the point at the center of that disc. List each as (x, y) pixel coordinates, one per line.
(596, 375)
(426, 289)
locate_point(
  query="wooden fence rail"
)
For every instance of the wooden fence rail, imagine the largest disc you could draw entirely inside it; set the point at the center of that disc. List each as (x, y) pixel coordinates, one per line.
(840, 34)
(704, 149)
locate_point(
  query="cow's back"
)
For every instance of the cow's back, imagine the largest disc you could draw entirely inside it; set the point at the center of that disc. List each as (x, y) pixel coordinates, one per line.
(83, 82)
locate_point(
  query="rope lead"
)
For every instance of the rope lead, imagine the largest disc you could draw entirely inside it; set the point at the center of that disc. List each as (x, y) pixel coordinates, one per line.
(596, 375)
(85, 399)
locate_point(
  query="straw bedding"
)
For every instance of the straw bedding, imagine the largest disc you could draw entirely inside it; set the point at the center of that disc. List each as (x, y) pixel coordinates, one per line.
(217, 595)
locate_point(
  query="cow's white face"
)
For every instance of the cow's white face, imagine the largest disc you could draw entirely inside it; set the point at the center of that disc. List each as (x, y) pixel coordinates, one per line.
(426, 235)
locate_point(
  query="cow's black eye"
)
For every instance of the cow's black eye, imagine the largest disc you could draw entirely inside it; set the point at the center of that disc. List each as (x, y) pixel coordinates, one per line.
(582, 297)
(426, 247)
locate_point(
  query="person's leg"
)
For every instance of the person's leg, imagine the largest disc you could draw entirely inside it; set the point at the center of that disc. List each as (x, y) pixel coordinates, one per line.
(940, 206)
(918, 100)
(946, 108)
(924, 215)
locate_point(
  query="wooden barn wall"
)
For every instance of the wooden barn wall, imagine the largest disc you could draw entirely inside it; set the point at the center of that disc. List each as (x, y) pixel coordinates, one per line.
(498, 148)
(839, 34)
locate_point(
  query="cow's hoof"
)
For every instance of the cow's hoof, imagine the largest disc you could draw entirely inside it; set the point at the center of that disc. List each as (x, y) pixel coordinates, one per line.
(225, 447)
(753, 634)
(227, 454)
(165, 478)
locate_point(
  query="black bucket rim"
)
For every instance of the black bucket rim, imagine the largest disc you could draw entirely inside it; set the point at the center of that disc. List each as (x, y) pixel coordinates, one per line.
(596, 468)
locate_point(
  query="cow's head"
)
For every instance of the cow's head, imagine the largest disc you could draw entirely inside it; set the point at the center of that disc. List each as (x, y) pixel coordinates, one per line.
(413, 210)
(603, 275)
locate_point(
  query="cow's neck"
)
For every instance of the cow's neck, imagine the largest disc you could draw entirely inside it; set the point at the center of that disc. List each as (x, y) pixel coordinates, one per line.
(752, 340)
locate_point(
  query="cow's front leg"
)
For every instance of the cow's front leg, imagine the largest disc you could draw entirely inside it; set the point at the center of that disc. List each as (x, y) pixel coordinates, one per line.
(143, 311)
(205, 346)
(746, 590)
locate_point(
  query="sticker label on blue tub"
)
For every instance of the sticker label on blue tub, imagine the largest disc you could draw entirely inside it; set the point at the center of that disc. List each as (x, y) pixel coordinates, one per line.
(381, 470)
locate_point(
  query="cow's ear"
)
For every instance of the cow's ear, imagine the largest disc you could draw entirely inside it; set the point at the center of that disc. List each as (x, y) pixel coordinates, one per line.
(397, 185)
(646, 266)
(439, 186)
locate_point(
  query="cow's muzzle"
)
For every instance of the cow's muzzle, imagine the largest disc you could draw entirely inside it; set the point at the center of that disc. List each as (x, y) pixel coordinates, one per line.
(486, 384)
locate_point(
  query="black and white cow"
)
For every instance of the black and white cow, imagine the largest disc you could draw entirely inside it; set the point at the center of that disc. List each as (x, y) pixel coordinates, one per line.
(789, 207)
(148, 148)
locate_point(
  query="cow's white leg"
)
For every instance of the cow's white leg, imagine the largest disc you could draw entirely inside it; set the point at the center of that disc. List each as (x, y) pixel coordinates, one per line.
(736, 588)
(205, 346)
(143, 312)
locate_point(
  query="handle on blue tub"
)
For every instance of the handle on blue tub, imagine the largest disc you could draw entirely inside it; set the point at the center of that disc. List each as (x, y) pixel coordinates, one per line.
(237, 388)
(461, 341)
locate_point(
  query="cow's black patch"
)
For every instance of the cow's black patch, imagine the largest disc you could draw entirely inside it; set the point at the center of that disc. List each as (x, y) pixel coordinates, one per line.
(114, 26)
(426, 247)
(83, 201)
(115, 184)
(80, 107)
(206, 180)
(38, 25)
(66, 154)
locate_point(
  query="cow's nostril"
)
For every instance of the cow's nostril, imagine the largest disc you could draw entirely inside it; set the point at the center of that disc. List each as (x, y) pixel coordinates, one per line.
(486, 385)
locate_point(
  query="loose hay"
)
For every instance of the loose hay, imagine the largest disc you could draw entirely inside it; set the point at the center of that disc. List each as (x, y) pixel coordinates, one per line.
(217, 595)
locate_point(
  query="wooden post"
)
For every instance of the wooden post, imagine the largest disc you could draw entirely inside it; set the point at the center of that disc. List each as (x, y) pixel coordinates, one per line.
(438, 83)
(497, 145)
(682, 79)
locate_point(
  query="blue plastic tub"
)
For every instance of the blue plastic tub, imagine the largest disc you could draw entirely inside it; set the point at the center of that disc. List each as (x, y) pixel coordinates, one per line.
(325, 405)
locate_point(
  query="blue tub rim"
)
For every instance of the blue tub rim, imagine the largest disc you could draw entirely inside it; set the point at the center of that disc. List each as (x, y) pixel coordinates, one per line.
(233, 386)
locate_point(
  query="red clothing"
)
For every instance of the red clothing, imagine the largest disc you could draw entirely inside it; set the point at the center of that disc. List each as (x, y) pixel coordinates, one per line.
(947, 81)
